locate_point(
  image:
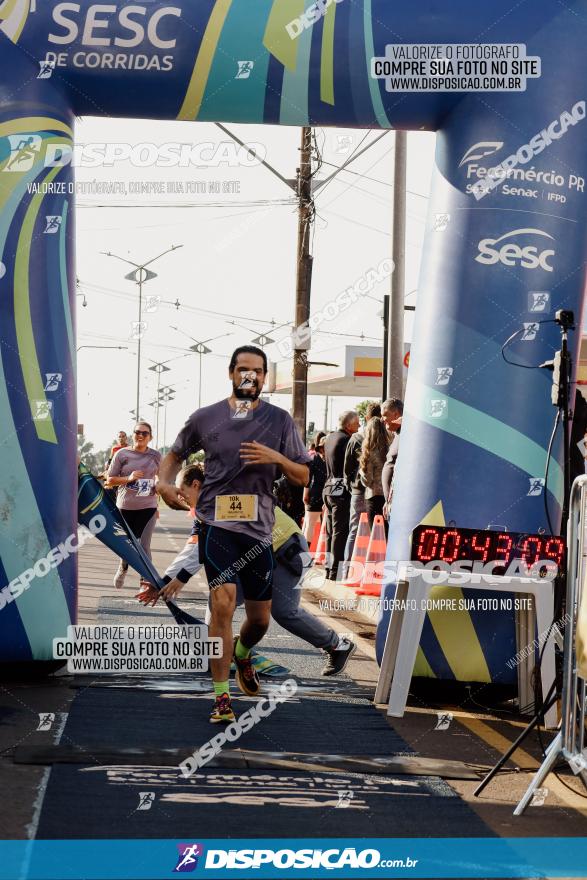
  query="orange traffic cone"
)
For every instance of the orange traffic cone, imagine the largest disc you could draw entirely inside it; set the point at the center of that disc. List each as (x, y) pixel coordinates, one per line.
(321, 549)
(355, 572)
(372, 582)
(315, 537)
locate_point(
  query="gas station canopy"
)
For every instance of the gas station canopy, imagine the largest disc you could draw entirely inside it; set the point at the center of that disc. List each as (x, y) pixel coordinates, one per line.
(358, 372)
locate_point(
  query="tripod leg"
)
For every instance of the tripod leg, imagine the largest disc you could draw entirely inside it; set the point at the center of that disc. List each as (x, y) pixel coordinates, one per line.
(550, 699)
(553, 752)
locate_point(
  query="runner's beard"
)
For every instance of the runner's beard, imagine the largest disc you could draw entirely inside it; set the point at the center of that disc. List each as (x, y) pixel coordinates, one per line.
(246, 393)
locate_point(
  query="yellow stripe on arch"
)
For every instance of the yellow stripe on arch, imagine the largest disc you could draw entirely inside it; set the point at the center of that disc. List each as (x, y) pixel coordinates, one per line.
(276, 38)
(7, 8)
(327, 57)
(199, 78)
(27, 350)
(453, 629)
(421, 667)
(34, 124)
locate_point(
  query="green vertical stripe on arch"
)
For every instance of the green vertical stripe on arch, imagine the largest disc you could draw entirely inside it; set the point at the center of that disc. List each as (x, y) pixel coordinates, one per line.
(23, 539)
(27, 350)
(482, 430)
(277, 39)
(65, 285)
(327, 57)
(294, 90)
(190, 108)
(241, 39)
(378, 107)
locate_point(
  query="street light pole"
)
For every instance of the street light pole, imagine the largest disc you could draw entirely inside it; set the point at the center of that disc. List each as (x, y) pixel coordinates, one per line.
(140, 276)
(395, 322)
(167, 394)
(200, 348)
(158, 368)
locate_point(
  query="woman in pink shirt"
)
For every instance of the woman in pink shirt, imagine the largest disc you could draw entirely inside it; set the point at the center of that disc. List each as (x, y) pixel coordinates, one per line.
(134, 471)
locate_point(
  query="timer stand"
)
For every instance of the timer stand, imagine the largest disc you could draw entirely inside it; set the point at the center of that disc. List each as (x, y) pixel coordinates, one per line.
(407, 620)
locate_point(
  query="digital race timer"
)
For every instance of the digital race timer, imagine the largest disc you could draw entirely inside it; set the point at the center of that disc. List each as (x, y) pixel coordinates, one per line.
(451, 544)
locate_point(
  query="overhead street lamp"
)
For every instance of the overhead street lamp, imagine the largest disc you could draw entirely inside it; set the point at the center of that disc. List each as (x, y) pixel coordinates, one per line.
(140, 275)
(166, 394)
(158, 368)
(200, 348)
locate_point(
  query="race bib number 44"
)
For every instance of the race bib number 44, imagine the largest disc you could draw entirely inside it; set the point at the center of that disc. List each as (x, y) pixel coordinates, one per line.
(236, 508)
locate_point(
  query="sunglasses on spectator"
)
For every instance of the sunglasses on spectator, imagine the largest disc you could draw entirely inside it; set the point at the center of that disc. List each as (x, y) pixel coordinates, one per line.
(142, 433)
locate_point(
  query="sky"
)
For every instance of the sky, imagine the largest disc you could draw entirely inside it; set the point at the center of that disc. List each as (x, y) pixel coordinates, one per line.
(234, 225)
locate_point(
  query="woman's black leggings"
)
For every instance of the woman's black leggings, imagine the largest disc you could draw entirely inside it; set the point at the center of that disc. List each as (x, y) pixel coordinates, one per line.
(374, 506)
(142, 524)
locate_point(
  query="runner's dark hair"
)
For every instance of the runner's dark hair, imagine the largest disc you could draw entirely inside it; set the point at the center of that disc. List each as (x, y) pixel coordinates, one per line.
(247, 349)
(190, 473)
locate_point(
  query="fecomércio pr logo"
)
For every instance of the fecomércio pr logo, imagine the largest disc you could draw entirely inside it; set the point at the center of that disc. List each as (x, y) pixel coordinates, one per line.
(187, 860)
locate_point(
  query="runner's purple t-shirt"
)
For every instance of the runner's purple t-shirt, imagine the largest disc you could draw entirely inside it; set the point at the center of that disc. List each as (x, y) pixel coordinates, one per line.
(215, 430)
(140, 494)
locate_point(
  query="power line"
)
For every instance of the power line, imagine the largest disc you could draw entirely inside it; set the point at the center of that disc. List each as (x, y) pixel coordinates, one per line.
(113, 292)
(169, 225)
(355, 155)
(374, 180)
(142, 205)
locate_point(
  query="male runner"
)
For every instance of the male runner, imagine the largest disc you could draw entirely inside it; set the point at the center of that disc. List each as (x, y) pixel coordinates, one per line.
(292, 561)
(243, 457)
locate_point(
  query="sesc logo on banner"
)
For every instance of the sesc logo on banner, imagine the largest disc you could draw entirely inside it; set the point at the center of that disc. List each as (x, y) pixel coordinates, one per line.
(105, 37)
(515, 249)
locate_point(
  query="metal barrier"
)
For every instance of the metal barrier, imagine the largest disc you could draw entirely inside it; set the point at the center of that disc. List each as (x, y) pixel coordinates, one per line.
(569, 744)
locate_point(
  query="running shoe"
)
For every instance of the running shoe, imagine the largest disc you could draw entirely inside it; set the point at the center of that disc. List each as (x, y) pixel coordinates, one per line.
(246, 675)
(222, 710)
(120, 576)
(337, 658)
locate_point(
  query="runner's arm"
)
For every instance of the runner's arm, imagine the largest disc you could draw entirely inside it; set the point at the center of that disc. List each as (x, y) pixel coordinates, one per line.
(258, 453)
(177, 574)
(170, 467)
(296, 473)
(114, 476)
(186, 563)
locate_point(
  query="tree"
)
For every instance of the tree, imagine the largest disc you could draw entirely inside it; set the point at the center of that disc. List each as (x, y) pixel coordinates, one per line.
(361, 409)
(95, 461)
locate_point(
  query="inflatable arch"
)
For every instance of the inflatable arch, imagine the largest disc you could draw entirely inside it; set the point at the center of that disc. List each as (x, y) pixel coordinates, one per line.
(498, 256)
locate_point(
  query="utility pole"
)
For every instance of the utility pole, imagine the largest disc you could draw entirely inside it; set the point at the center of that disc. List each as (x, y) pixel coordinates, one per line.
(303, 279)
(394, 328)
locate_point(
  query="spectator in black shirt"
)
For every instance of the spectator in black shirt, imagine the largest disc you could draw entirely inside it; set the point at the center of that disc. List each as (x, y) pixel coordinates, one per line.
(313, 491)
(337, 498)
(353, 480)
